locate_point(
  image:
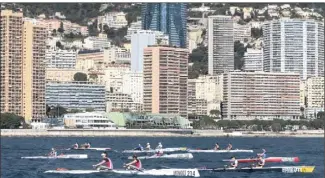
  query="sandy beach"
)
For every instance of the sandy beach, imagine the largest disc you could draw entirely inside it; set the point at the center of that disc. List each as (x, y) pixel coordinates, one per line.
(152, 133)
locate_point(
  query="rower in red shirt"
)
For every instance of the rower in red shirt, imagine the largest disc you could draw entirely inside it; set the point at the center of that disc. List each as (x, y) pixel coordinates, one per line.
(135, 164)
(105, 164)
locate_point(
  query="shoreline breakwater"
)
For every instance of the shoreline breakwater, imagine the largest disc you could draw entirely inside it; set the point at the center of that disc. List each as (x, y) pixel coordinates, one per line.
(153, 133)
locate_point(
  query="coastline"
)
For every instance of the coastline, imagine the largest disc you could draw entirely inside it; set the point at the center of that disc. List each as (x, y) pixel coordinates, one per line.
(153, 133)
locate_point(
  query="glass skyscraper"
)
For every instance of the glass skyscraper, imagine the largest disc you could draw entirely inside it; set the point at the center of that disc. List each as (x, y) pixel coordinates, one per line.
(169, 18)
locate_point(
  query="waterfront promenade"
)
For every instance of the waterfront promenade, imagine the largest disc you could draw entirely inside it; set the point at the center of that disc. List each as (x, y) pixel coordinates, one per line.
(152, 133)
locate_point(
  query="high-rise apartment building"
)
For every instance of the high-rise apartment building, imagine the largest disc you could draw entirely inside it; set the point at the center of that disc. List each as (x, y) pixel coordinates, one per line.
(220, 44)
(139, 41)
(294, 45)
(34, 43)
(261, 95)
(169, 18)
(253, 60)
(315, 96)
(23, 46)
(11, 61)
(165, 75)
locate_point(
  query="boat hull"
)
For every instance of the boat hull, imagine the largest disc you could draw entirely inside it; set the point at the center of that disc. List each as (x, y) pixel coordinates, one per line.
(153, 150)
(268, 160)
(70, 156)
(95, 149)
(171, 156)
(150, 172)
(220, 151)
(285, 169)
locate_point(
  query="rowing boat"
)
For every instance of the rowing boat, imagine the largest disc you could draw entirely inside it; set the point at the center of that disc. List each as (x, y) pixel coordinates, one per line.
(269, 160)
(285, 169)
(150, 172)
(153, 150)
(97, 149)
(70, 156)
(165, 156)
(219, 151)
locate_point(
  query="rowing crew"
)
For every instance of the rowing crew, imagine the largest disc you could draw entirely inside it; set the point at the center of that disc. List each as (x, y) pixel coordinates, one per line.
(217, 147)
(148, 147)
(107, 164)
(84, 146)
(260, 163)
(260, 160)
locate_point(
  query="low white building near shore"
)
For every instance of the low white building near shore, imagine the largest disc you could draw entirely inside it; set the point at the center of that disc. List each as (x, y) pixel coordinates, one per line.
(88, 120)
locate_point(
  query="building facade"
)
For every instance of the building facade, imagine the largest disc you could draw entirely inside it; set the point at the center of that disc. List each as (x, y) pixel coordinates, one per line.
(76, 95)
(170, 18)
(11, 62)
(23, 46)
(253, 60)
(34, 42)
(220, 44)
(165, 75)
(133, 85)
(62, 75)
(60, 58)
(294, 45)
(89, 59)
(122, 102)
(261, 95)
(97, 42)
(138, 42)
(113, 77)
(315, 96)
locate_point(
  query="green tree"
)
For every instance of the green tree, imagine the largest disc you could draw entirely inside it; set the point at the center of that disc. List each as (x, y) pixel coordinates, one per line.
(54, 32)
(199, 58)
(215, 112)
(61, 30)
(79, 76)
(256, 32)
(276, 127)
(239, 50)
(59, 45)
(90, 109)
(75, 111)
(11, 121)
(57, 111)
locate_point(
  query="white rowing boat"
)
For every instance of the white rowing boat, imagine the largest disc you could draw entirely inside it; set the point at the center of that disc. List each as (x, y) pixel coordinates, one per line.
(70, 156)
(165, 156)
(220, 151)
(154, 150)
(97, 149)
(149, 172)
(284, 169)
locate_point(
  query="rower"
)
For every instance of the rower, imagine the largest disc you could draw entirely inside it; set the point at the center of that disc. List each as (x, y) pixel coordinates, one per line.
(159, 146)
(229, 147)
(159, 152)
(262, 154)
(148, 146)
(234, 163)
(53, 152)
(261, 162)
(105, 164)
(87, 145)
(135, 164)
(75, 146)
(140, 148)
(217, 147)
